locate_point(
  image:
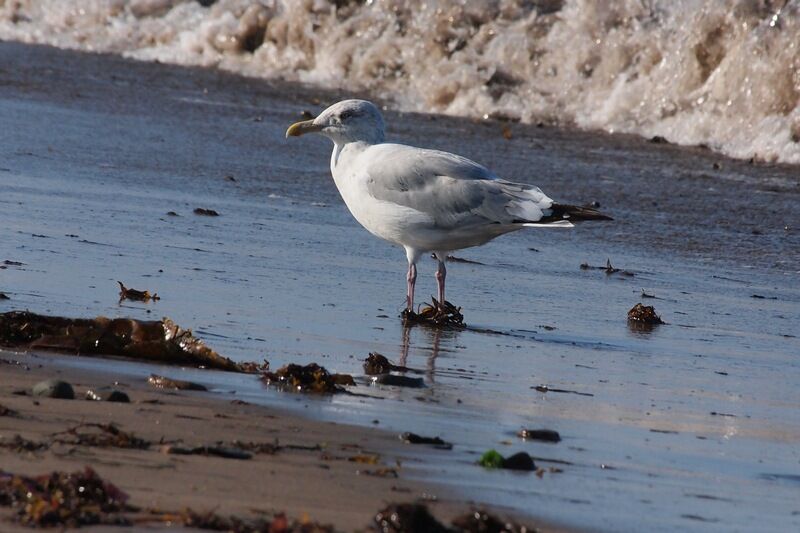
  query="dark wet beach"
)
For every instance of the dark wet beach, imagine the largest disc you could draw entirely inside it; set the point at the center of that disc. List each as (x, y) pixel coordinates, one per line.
(692, 424)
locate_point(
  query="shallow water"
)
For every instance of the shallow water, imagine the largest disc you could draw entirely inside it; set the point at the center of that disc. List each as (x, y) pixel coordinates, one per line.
(95, 152)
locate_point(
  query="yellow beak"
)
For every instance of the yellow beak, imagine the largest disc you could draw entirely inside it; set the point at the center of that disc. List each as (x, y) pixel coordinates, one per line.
(300, 128)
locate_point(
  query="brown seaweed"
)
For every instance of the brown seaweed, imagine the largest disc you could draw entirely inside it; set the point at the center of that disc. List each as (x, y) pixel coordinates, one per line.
(379, 472)
(135, 295)
(545, 388)
(251, 367)
(62, 499)
(308, 378)
(267, 448)
(101, 436)
(162, 382)
(205, 212)
(376, 364)
(436, 442)
(481, 521)
(7, 411)
(161, 340)
(214, 522)
(608, 269)
(20, 444)
(644, 314)
(443, 315)
(83, 498)
(225, 452)
(407, 518)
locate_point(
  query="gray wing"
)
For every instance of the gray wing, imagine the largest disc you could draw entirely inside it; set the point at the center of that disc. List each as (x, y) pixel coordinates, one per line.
(452, 190)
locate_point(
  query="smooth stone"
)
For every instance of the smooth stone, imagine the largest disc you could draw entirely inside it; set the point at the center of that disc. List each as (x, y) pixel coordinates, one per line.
(106, 394)
(399, 381)
(519, 461)
(54, 388)
(546, 435)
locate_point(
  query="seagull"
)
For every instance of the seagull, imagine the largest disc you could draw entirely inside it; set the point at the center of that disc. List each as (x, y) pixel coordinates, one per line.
(427, 201)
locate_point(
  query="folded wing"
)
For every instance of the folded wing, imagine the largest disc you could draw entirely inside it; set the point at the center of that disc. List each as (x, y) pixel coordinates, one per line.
(452, 190)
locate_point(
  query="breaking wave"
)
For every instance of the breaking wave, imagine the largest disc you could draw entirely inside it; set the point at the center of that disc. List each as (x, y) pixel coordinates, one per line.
(723, 73)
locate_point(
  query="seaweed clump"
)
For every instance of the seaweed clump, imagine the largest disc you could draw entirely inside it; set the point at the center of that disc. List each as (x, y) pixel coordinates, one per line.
(437, 442)
(441, 315)
(377, 363)
(62, 499)
(163, 382)
(308, 378)
(102, 436)
(480, 521)
(159, 340)
(233, 524)
(644, 315)
(20, 444)
(408, 518)
(126, 293)
(7, 411)
(414, 517)
(608, 269)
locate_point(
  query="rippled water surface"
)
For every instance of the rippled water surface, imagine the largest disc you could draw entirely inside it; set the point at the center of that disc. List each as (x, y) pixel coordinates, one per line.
(693, 424)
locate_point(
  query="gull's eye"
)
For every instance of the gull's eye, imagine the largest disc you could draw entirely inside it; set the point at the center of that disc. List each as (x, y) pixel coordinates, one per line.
(344, 115)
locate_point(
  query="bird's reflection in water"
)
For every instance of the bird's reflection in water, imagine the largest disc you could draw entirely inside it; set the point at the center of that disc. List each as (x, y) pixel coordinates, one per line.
(429, 340)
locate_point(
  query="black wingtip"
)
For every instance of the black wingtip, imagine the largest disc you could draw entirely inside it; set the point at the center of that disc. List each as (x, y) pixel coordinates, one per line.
(575, 213)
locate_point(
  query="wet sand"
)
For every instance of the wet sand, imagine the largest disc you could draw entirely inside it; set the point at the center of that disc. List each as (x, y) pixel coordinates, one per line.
(692, 424)
(313, 473)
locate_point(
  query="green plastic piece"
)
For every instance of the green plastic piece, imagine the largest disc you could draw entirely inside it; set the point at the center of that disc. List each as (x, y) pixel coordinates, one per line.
(491, 459)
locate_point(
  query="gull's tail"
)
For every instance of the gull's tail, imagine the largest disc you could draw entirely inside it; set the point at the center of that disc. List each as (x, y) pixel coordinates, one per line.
(556, 224)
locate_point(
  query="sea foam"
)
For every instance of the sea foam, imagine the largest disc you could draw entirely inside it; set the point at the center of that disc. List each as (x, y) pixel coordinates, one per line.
(722, 73)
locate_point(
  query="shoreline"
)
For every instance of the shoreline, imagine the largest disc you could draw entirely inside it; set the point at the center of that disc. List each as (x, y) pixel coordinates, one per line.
(669, 175)
(331, 473)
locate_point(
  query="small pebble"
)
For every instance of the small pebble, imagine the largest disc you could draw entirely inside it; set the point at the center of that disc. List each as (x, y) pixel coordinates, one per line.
(107, 395)
(546, 435)
(399, 381)
(519, 461)
(54, 388)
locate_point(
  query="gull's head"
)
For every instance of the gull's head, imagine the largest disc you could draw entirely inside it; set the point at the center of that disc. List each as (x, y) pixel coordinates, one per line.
(344, 122)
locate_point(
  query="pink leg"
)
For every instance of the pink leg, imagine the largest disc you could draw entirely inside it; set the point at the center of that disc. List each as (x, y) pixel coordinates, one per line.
(441, 274)
(411, 278)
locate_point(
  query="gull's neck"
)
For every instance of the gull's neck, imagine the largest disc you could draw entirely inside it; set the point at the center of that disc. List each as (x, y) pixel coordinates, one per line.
(345, 150)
